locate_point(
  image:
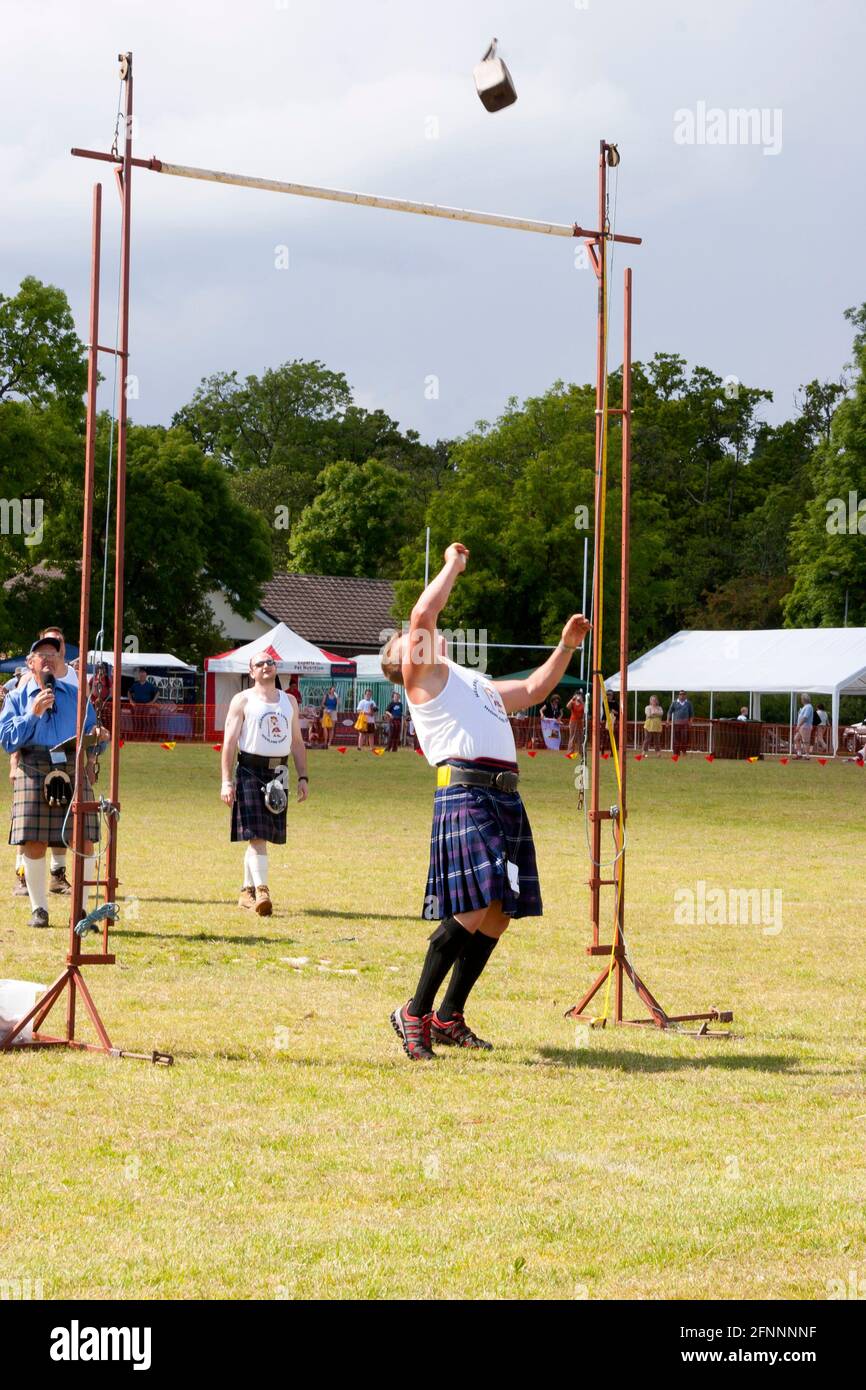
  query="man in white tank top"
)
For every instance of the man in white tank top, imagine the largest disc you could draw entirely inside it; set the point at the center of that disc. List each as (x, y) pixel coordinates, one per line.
(482, 859)
(262, 725)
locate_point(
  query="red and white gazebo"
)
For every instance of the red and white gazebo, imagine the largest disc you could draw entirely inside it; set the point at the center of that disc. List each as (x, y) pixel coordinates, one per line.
(294, 655)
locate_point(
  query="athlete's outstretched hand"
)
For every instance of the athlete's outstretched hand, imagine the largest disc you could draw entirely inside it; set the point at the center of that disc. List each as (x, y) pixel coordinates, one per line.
(575, 630)
(457, 554)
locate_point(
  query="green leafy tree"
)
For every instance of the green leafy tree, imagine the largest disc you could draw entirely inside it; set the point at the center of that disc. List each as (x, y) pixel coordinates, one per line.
(828, 538)
(41, 356)
(362, 515)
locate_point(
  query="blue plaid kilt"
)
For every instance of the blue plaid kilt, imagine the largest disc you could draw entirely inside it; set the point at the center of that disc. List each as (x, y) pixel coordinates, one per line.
(251, 819)
(475, 829)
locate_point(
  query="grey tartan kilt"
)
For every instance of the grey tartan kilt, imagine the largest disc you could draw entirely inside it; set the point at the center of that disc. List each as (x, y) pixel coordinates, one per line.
(251, 819)
(32, 817)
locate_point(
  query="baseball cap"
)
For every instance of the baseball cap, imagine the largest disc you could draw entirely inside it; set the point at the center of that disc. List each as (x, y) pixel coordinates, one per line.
(41, 642)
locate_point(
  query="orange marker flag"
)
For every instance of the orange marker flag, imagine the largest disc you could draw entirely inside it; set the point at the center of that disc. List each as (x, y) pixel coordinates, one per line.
(823, 762)
(378, 752)
(341, 750)
(420, 752)
(530, 753)
(217, 747)
(169, 746)
(709, 757)
(638, 757)
(753, 760)
(675, 757)
(783, 760)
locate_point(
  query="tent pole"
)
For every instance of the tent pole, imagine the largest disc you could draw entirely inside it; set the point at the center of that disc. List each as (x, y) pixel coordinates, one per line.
(791, 727)
(711, 723)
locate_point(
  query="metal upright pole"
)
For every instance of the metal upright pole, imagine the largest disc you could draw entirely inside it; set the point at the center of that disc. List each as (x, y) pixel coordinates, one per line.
(125, 185)
(596, 678)
(583, 606)
(79, 814)
(620, 825)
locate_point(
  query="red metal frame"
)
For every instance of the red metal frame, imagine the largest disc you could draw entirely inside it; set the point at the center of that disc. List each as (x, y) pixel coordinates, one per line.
(619, 965)
(71, 980)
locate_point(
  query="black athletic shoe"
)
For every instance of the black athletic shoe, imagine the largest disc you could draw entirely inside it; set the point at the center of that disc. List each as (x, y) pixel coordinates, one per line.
(414, 1034)
(455, 1033)
(39, 917)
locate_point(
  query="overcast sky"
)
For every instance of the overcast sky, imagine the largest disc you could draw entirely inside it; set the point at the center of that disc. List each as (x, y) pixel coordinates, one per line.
(751, 250)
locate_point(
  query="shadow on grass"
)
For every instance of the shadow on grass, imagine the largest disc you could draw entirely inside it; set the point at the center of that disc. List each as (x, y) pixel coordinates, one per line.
(354, 916)
(589, 1057)
(206, 936)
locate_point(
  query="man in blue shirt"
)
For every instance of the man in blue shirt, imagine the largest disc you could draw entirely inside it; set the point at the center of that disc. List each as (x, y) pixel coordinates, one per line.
(394, 716)
(36, 717)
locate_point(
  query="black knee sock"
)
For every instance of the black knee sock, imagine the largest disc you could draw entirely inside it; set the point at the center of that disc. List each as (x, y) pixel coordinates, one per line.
(470, 963)
(446, 943)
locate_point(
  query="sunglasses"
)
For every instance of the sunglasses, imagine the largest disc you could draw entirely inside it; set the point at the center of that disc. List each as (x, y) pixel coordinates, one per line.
(269, 661)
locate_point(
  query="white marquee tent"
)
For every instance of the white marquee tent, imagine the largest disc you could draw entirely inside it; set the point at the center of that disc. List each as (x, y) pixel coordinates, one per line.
(819, 661)
(224, 674)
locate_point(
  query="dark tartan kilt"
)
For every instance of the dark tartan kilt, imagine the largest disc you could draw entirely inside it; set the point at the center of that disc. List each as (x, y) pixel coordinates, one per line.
(32, 817)
(474, 830)
(251, 819)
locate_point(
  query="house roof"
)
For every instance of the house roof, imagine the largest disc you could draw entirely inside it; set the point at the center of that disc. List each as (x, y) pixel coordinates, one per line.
(330, 610)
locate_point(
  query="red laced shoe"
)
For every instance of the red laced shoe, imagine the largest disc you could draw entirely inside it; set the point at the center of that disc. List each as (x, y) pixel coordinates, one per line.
(414, 1034)
(455, 1033)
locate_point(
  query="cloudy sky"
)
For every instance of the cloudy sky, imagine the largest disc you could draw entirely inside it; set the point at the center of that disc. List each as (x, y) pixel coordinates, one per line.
(751, 250)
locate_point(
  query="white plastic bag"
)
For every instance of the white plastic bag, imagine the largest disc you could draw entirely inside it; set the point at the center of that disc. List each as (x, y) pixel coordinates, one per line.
(17, 998)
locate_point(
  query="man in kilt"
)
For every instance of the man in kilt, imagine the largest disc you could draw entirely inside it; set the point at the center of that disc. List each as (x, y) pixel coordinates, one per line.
(262, 725)
(36, 717)
(482, 858)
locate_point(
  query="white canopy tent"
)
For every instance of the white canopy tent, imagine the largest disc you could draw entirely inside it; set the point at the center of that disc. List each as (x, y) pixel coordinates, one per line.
(224, 674)
(820, 661)
(131, 661)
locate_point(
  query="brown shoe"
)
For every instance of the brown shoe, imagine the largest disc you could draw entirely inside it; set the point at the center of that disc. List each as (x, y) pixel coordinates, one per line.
(247, 898)
(20, 889)
(59, 883)
(264, 906)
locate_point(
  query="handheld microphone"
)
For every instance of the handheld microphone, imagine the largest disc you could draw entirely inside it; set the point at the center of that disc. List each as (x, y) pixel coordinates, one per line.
(49, 681)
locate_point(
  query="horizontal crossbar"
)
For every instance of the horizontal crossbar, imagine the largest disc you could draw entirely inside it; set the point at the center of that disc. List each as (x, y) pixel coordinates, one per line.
(370, 200)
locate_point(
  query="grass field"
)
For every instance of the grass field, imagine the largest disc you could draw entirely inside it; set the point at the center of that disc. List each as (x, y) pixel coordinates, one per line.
(293, 1151)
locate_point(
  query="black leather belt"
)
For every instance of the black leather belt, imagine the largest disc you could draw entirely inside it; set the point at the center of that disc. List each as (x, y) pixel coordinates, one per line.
(450, 776)
(252, 760)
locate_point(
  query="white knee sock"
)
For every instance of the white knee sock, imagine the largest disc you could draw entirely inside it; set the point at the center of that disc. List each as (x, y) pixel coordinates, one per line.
(58, 860)
(34, 877)
(248, 873)
(258, 865)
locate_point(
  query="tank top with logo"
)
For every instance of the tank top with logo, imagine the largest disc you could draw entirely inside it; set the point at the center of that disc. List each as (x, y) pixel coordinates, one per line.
(467, 719)
(267, 730)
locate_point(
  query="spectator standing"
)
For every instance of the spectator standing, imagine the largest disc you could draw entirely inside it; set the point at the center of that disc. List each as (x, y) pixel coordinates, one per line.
(330, 706)
(681, 714)
(652, 726)
(743, 715)
(141, 696)
(394, 716)
(366, 721)
(820, 725)
(803, 731)
(576, 721)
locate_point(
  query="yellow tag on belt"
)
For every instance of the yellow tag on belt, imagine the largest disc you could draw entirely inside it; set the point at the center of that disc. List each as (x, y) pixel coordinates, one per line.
(443, 775)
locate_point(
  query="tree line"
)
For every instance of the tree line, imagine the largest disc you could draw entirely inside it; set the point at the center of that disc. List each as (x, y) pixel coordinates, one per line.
(734, 523)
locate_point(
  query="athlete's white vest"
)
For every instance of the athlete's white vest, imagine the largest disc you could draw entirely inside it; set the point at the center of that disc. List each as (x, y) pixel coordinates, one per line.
(267, 730)
(467, 719)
